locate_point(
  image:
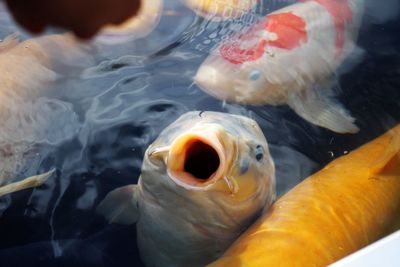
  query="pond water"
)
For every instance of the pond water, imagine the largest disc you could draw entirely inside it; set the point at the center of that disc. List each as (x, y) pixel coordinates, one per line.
(119, 103)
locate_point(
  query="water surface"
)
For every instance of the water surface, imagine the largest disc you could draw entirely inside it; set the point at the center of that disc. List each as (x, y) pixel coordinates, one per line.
(133, 90)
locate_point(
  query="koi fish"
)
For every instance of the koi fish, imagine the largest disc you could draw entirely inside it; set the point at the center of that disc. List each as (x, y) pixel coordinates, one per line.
(203, 182)
(26, 69)
(137, 27)
(221, 9)
(289, 57)
(352, 202)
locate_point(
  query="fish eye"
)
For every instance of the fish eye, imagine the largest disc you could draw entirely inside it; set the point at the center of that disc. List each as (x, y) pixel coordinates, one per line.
(259, 152)
(254, 75)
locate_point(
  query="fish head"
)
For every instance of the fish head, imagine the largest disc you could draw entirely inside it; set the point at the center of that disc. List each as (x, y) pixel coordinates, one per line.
(249, 82)
(212, 153)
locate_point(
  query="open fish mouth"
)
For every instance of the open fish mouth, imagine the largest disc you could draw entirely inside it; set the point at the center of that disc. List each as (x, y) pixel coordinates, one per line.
(196, 161)
(201, 160)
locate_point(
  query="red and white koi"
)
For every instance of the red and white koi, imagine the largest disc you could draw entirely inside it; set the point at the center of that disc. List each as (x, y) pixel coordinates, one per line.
(282, 58)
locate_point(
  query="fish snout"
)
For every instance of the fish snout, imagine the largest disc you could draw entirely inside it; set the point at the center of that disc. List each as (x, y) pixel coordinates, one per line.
(214, 82)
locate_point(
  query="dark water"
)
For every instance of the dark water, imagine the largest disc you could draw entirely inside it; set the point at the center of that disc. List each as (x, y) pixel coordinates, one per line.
(132, 92)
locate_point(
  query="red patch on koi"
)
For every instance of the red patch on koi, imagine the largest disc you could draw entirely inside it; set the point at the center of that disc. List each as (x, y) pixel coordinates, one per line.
(341, 14)
(287, 29)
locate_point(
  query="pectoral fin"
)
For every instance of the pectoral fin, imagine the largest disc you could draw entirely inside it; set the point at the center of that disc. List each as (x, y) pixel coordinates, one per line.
(32, 181)
(319, 108)
(121, 205)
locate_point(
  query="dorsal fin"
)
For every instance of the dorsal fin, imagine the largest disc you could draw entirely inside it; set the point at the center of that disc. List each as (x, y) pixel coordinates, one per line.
(389, 162)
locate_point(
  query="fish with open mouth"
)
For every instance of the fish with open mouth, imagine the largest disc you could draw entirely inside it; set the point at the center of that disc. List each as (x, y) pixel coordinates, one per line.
(204, 180)
(289, 57)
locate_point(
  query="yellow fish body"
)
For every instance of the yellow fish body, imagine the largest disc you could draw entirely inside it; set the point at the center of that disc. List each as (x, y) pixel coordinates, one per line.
(204, 181)
(352, 202)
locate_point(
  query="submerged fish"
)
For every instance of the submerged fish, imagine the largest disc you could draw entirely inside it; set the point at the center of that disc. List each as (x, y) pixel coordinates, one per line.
(289, 57)
(221, 9)
(203, 182)
(27, 69)
(137, 27)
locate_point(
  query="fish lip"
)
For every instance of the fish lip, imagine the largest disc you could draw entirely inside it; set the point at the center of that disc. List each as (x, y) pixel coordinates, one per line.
(177, 156)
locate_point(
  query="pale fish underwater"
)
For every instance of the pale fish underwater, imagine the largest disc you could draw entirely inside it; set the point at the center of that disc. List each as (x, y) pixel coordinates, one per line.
(289, 57)
(27, 69)
(137, 27)
(217, 10)
(205, 179)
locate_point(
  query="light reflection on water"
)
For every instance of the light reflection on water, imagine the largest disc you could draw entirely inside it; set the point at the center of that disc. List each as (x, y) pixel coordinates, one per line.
(118, 106)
